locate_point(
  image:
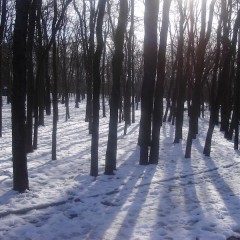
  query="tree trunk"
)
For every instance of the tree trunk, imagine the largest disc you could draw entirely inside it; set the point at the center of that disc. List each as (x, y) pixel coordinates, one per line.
(96, 89)
(103, 76)
(20, 173)
(2, 27)
(111, 153)
(199, 69)
(214, 100)
(30, 77)
(48, 86)
(150, 62)
(130, 81)
(180, 79)
(236, 107)
(55, 86)
(159, 90)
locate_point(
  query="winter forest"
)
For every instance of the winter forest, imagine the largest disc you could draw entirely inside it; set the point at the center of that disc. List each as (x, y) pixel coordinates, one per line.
(119, 119)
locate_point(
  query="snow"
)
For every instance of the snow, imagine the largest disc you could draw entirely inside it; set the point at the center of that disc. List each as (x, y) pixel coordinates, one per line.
(197, 198)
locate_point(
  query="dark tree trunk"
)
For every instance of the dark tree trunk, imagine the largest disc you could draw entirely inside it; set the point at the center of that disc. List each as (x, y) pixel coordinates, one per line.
(150, 62)
(130, 82)
(236, 107)
(55, 85)
(65, 79)
(214, 100)
(77, 80)
(88, 52)
(48, 86)
(180, 79)
(30, 76)
(103, 77)
(38, 76)
(55, 28)
(40, 88)
(159, 90)
(132, 63)
(170, 91)
(2, 27)
(199, 69)
(111, 153)
(133, 81)
(225, 71)
(96, 89)
(127, 90)
(20, 173)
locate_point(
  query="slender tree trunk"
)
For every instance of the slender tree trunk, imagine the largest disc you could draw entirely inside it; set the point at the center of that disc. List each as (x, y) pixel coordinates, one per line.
(96, 89)
(111, 153)
(38, 75)
(55, 86)
(55, 28)
(20, 173)
(133, 76)
(30, 77)
(2, 27)
(159, 90)
(128, 87)
(214, 100)
(40, 88)
(65, 80)
(90, 67)
(180, 80)
(236, 107)
(170, 91)
(103, 77)
(48, 87)
(127, 90)
(226, 60)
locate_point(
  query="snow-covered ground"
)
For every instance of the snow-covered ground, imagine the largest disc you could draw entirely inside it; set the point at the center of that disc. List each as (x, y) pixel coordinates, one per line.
(197, 198)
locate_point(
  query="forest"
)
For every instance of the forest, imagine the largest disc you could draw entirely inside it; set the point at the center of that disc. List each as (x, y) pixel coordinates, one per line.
(164, 57)
(119, 119)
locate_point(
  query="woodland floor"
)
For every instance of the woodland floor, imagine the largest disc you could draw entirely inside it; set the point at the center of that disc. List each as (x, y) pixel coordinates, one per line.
(197, 198)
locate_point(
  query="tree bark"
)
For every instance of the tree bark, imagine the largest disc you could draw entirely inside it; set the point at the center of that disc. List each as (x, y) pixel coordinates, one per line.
(2, 27)
(150, 62)
(180, 79)
(55, 85)
(20, 173)
(214, 100)
(96, 89)
(30, 77)
(111, 153)
(199, 69)
(159, 90)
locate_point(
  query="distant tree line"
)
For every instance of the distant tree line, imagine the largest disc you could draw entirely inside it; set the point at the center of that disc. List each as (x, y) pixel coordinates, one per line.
(186, 61)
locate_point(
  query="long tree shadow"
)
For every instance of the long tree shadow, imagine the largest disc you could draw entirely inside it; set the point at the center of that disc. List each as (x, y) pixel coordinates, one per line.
(110, 193)
(106, 196)
(133, 210)
(117, 199)
(229, 197)
(178, 196)
(192, 210)
(165, 186)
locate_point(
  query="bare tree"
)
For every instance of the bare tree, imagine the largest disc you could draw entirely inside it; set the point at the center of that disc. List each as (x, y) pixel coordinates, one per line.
(2, 27)
(159, 89)
(96, 89)
(199, 69)
(150, 64)
(111, 153)
(20, 173)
